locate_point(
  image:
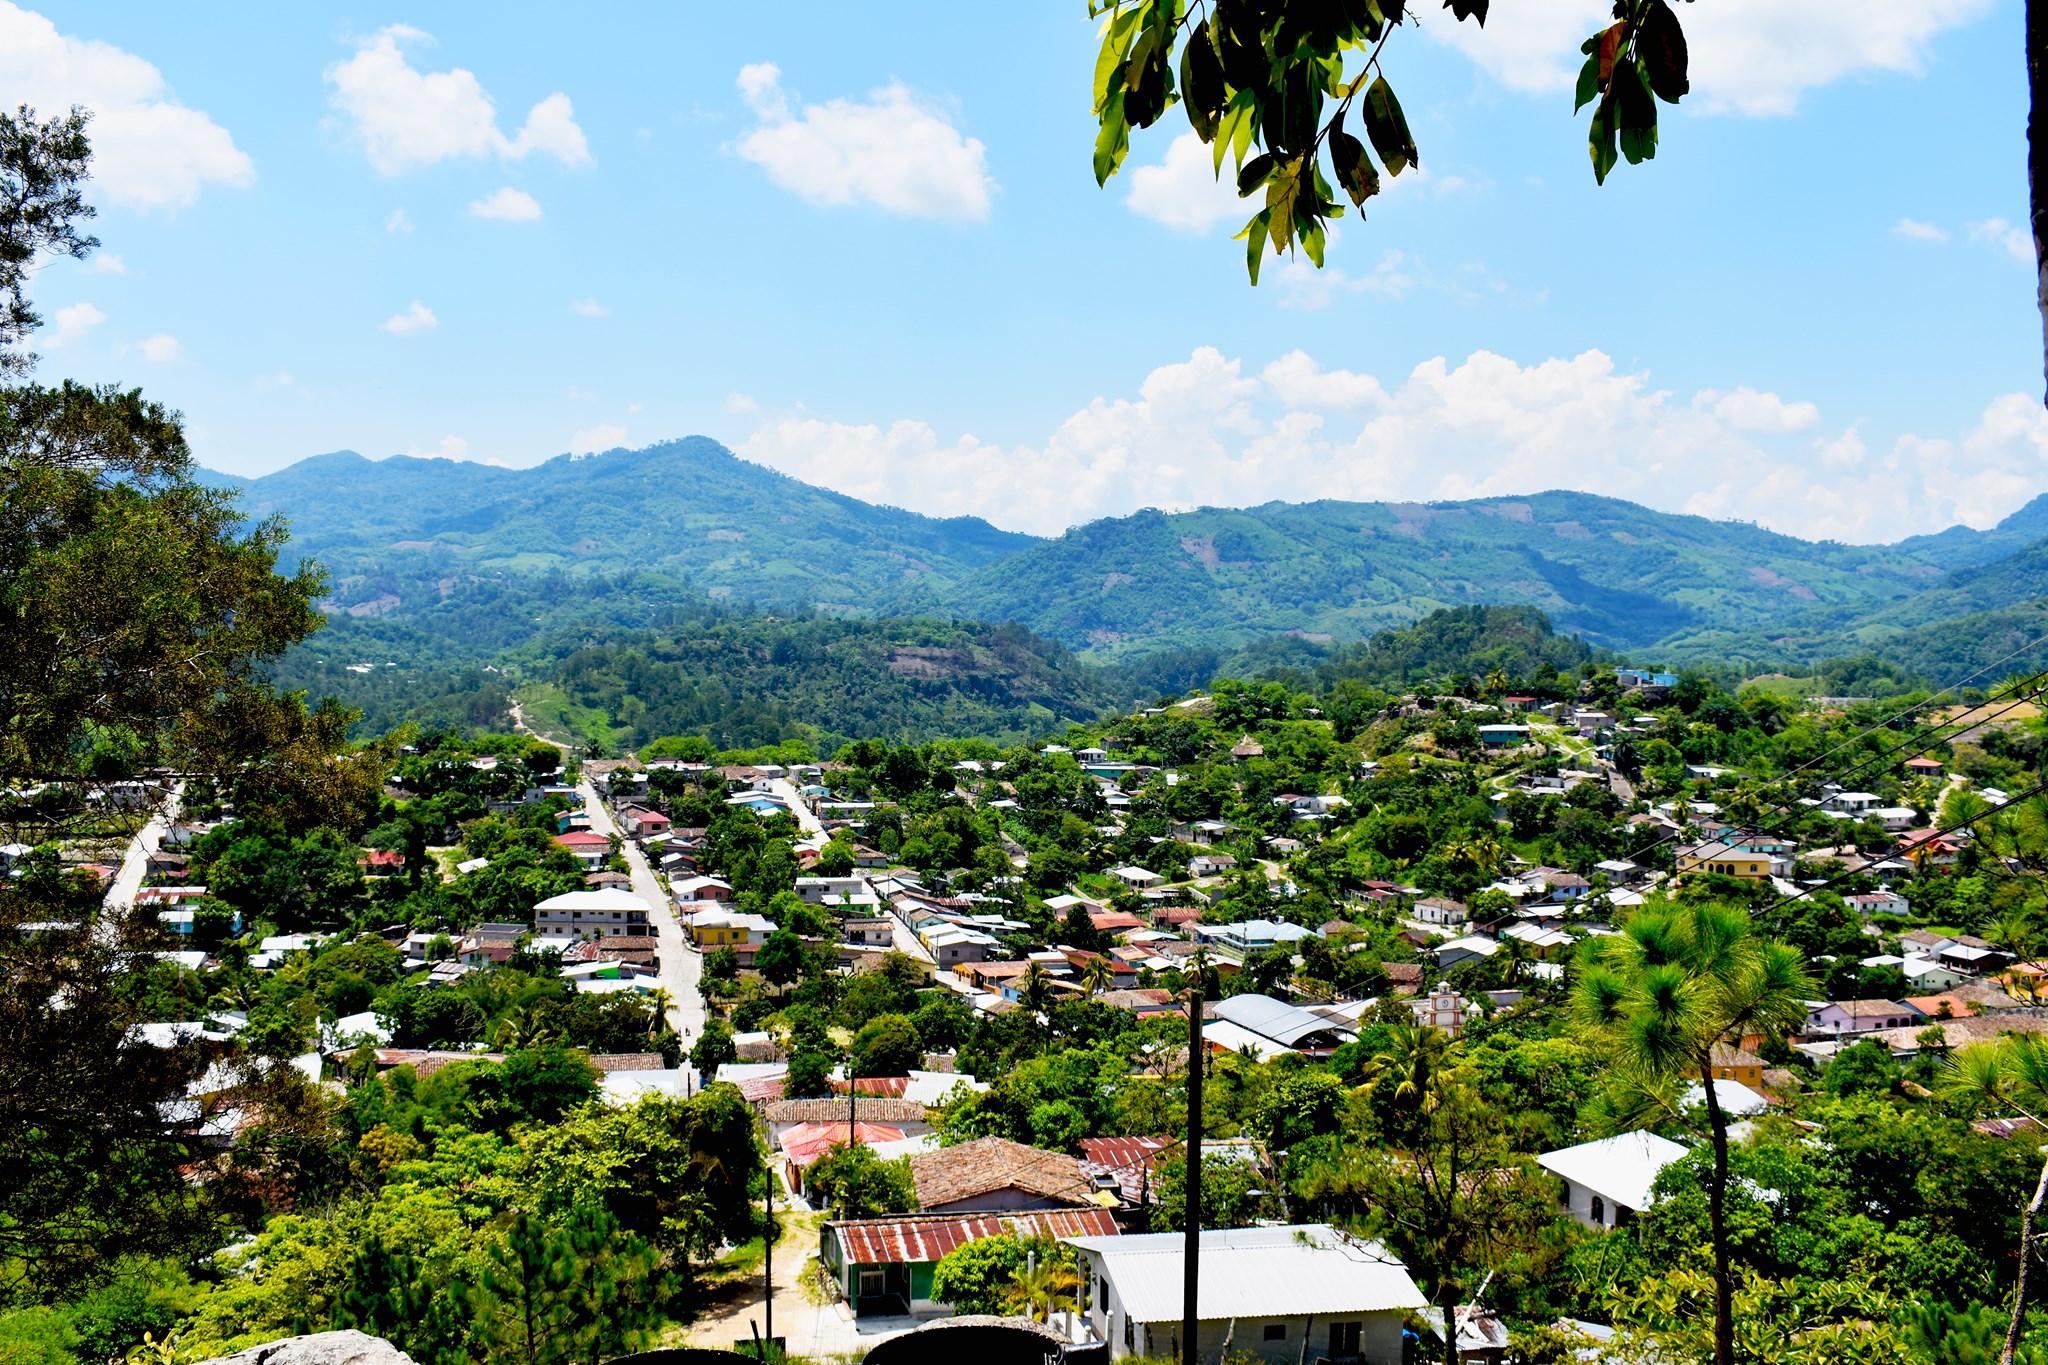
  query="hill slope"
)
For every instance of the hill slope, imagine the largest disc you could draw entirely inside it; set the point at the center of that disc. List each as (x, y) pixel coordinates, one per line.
(1617, 573)
(688, 508)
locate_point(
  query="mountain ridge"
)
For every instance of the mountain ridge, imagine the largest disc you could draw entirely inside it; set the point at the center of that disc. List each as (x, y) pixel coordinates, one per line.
(397, 533)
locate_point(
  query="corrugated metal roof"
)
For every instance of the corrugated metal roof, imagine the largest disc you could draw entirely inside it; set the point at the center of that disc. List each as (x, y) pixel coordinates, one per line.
(1255, 1273)
(1276, 1019)
(885, 1241)
(1622, 1168)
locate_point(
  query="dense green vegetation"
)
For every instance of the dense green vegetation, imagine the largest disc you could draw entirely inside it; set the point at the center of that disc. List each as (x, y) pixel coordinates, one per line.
(474, 559)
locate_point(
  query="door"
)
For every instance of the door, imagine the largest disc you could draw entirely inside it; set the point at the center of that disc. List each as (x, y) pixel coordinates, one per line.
(1344, 1338)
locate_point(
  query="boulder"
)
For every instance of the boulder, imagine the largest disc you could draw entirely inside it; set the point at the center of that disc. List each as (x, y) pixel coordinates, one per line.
(321, 1348)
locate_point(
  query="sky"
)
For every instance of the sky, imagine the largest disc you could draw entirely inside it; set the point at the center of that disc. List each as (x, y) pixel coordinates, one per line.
(862, 244)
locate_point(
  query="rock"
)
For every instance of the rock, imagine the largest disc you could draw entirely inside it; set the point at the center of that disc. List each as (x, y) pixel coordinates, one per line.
(321, 1348)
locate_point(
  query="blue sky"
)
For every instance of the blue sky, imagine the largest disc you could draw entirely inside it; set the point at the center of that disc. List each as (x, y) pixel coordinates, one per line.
(862, 244)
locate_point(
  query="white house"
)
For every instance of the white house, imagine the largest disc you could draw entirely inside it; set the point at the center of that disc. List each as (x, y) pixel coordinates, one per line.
(1607, 1182)
(1277, 1293)
(605, 911)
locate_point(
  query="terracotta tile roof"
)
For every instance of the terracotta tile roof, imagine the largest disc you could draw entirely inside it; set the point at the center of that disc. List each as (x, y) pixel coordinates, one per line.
(919, 1239)
(988, 1164)
(425, 1062)
(627, 1061)
(890, 1087)
(762, 1089)
(865, 1109)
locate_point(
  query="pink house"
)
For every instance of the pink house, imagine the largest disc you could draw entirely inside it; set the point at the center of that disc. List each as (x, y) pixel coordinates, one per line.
(1860, 1016)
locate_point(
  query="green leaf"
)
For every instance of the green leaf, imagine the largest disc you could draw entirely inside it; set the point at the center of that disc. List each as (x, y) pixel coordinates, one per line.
(1600, 140)
(1113, 142)
(1116, 42)
(1283, 197)
(1254, 173)
(1254, 233)
(1201, 83)
(1313, 240)
(1355, 171)
(1388, 128)
(1661, 43)
(1589, 82)
(1468, 9)
(1635, 113)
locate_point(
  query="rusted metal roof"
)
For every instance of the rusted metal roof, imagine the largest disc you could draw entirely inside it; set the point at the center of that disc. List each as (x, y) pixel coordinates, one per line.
(917, 1239)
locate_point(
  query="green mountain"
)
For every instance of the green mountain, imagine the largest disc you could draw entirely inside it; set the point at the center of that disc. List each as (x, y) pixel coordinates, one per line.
(1614, 572)
(603, 543)
(690, 509)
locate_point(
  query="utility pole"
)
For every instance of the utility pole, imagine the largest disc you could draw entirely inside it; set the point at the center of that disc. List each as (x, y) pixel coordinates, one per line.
(1190, 1317)
(768, 1264)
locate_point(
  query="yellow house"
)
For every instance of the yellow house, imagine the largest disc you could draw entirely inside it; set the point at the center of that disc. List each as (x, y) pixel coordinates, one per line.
(1711, 855)
(721, 928)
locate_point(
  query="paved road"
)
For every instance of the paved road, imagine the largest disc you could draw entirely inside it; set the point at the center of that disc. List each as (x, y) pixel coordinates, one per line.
(135, 863)
(681, 966)
(786, 792)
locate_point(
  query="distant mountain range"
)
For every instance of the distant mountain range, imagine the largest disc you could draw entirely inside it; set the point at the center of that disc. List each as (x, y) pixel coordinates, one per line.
(398, 533)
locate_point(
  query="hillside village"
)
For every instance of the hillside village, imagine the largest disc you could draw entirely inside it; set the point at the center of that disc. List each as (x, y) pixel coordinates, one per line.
(938, 997)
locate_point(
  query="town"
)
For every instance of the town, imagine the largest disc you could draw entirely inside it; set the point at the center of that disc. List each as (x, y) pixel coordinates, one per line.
(931, 1006)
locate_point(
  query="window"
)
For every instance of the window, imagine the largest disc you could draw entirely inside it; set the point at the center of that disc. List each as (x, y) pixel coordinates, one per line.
(1276, 1331)
(1599, 1210)
(1344, 1339)
(872, 1280)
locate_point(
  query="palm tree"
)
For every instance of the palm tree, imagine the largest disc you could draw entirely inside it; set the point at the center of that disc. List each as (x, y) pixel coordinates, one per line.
(662, 1002)
(1098, 976)
(519, 1030)
(2011, 1073)
(1035, 986)
(1043, 1288)
(1410, 1063)
(1657, 998)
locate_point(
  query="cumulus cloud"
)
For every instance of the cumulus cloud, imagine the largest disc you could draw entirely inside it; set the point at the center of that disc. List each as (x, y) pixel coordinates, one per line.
(162, 349)
(405, 118)
(603, 436)
(1210, 430)
(894, 151)
(1919, 231)
(507, 205)
(105, 263)
(398, 222)
(588, 308)
(741, 405)
(1755, 57)
(2017, 243)
(1183, 191)
(450, 448)
(149, 151)
(72, 324)
(417, 318)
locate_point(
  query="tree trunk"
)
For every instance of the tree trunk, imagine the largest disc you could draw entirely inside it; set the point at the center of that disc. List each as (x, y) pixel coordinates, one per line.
(1717, 1221)
(2019, 1290)
(2037, 156)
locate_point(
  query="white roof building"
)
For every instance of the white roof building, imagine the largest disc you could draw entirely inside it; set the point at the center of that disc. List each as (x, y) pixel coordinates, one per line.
(1274, 1292)
(1608, 1180)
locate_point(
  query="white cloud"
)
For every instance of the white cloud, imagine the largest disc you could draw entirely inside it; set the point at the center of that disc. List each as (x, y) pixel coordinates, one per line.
(417, 318)
(1755, 57)
(450, 448)
(1919, 231)
(1184, 192)
(603, 436)
(580, 394)
(2018, 242)
(1304, 286)
(149, 151)
(405, 118)
(264, 383)
(73, 323)
(1208, 431)
(895, 151)
(105, 263)
(588, 308)
(1748, 410)
(162, 349)
(398, 222)
(741, 405)
(507, 205)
